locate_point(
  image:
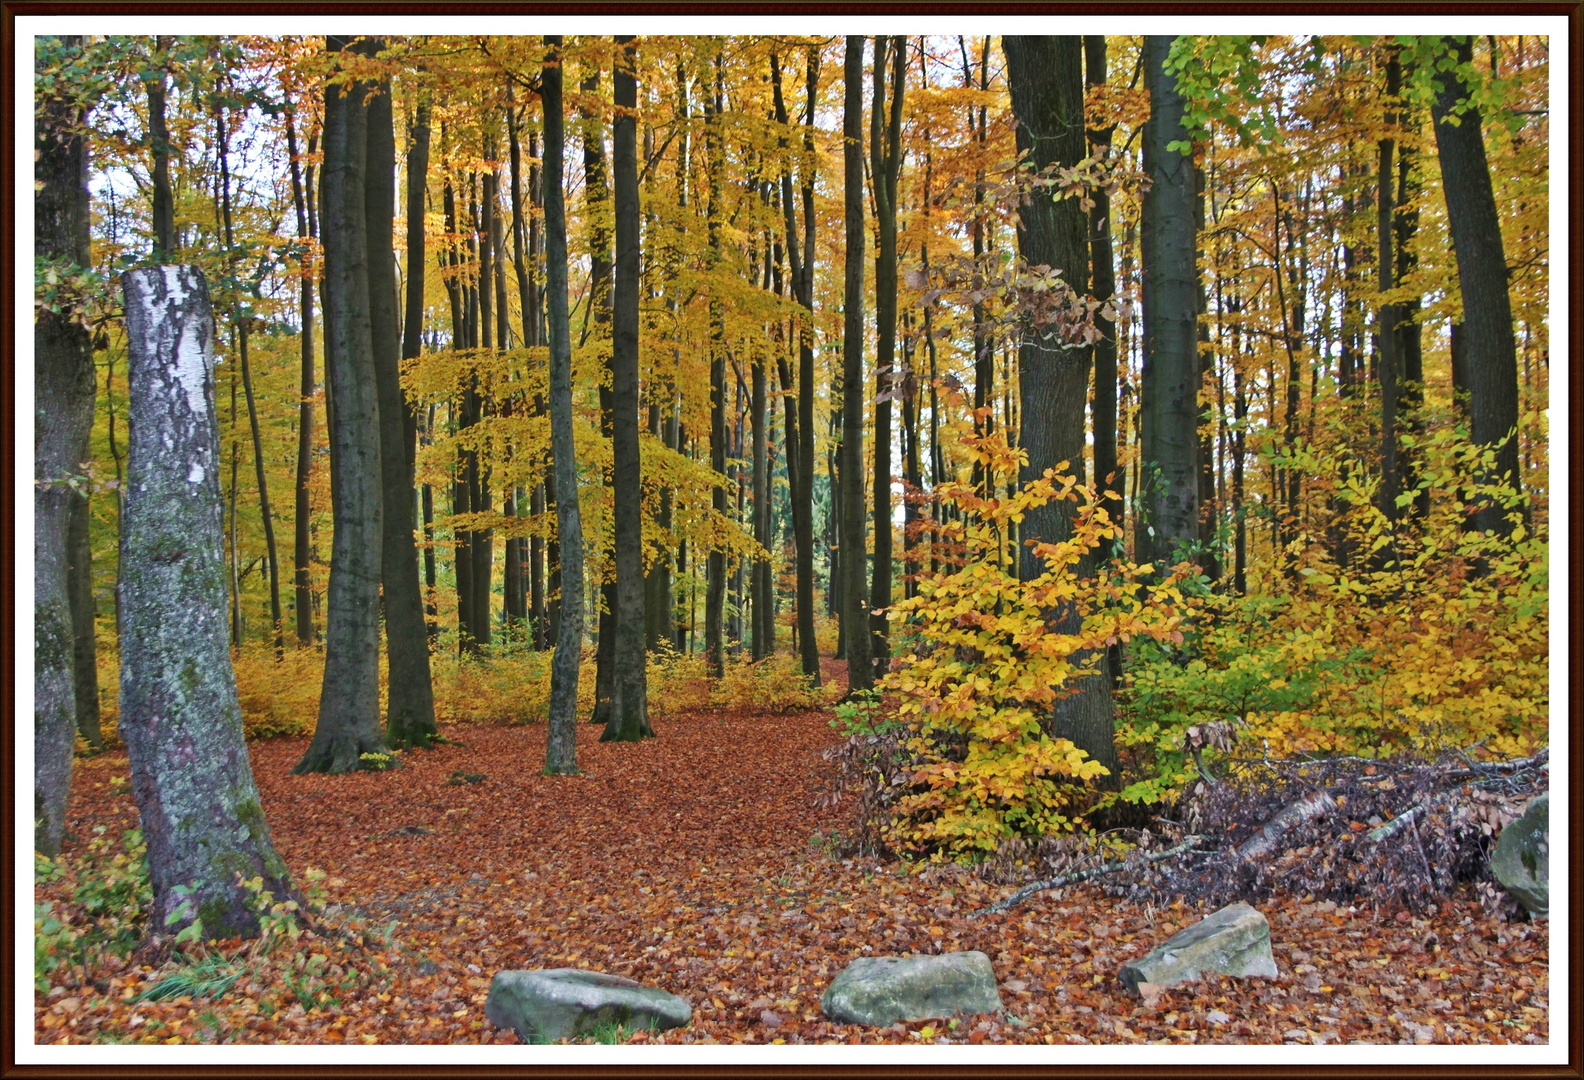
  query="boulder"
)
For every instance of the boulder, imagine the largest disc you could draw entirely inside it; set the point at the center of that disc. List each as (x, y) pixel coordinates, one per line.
(546, 1005)
(1233, 941)
(1521, 860)
(881, 990)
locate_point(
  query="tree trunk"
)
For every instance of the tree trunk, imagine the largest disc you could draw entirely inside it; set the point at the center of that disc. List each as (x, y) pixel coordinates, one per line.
(410, 717)
(561, 745)
(715, 596)
(191, 778)
(240, 321)
(1410, 347)
(1487, 331)
(1387, 328)
(302, 539)
(596, 193)
(1102, 284)
(800, 424)
(63, 396)
(163, 205)
(1169, 397)
(855, 607)
(885, 157)
(85, 651)
(348, 724)
(629, 721)
(1045, 79)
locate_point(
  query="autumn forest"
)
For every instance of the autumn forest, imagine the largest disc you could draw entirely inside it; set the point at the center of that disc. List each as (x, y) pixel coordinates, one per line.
(701, 509)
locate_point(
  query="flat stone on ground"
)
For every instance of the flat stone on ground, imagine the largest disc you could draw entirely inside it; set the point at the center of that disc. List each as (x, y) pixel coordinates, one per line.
(1233, 941)
(882, 990)
(548, 1004)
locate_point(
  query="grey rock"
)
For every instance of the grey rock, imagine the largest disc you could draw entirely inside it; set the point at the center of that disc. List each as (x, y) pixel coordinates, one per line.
(1521, 860)
(1233, 941)
(881, 990)
(548, 1004)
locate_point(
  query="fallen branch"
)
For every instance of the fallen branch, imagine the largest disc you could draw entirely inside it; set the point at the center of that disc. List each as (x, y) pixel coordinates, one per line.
(1395, 825)
(1265, 841)
(1081, 875)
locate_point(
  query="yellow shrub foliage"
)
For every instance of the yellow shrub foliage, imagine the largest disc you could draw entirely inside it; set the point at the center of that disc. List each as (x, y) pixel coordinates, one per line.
(1428, 637)
(982, 657)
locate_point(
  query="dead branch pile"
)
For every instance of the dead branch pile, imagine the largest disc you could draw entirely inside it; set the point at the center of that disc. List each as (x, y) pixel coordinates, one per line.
(1394, 832)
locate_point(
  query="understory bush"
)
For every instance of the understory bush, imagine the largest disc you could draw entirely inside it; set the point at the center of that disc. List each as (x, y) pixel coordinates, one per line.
(1430, 638)
(982, 657)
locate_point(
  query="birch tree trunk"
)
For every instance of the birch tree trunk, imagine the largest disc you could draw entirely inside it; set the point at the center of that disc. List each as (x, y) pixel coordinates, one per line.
(180, 718)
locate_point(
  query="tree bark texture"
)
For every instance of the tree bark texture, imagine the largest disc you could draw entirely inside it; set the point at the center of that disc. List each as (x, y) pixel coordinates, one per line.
(855, 596)
(561, 745)
(302, 540)
(715, 594)
(1102, 284)
(629, 719)
(1169, 397)
(800, 417)
(1489, 353)
(349, 721)
(85, 651)
(885, 158)
(63, 382)
(180, 718)
(410, 716)
(1045, 79)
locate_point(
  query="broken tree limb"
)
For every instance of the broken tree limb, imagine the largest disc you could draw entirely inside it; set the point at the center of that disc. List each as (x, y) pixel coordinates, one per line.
(1265, 841)
(1395, 825)
(1081, 875)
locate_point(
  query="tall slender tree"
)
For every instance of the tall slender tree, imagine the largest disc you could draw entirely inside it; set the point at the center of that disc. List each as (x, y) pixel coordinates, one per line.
(629, 720)
(855, 594)
(240, 322)
(885, 163)
(715, 153)
(561, 745)
(1489, 353)
(63, 389)
(1102, 284)
(1169, 396)
(302, 538)
(348, 726)
(409, 719)
(800, 424)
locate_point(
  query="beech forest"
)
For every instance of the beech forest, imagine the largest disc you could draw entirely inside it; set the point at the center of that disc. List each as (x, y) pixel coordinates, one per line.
(791, 539)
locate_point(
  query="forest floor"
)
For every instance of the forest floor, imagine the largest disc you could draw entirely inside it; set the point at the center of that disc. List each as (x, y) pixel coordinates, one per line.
(694, 862)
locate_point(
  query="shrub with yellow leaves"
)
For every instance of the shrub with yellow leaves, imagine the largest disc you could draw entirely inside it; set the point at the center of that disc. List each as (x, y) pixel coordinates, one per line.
(983, 657)
(1407, 638)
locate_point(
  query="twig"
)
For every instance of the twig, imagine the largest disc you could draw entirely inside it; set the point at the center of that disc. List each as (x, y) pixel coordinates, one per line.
(1082, 875)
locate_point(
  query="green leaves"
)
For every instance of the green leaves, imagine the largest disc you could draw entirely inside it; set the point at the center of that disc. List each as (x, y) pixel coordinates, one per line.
(1222, 81)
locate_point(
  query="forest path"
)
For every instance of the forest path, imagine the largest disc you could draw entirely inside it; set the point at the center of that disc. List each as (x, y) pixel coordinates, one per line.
(693, 862)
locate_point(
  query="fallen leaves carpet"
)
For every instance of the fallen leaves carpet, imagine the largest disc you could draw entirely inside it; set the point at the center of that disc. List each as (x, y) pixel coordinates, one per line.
(692, 862)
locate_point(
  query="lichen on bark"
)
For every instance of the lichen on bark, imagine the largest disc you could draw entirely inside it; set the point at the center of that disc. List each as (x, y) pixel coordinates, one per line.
(180, 718)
